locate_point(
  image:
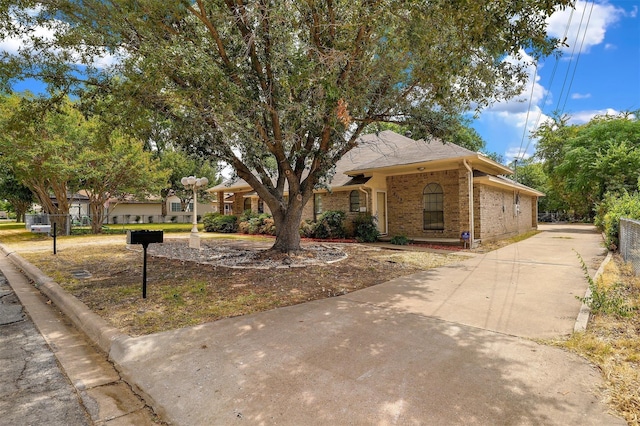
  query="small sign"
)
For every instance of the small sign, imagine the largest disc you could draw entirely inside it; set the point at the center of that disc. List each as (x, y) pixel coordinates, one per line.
(465, 235)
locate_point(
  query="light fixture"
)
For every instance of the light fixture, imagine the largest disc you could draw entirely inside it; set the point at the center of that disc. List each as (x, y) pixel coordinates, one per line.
(191, 182)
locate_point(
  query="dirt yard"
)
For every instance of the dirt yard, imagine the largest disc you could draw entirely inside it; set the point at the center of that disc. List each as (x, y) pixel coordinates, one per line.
(235, 278)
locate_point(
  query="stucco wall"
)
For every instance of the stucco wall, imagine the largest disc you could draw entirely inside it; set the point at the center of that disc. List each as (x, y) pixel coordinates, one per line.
(496, 216)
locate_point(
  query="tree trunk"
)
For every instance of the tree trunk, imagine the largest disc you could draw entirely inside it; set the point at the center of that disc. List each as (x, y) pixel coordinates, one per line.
(96, 214)
(288, 228)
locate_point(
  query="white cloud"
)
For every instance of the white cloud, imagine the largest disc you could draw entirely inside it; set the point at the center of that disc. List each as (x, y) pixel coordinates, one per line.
(580, 96)
(599, 18)
(12, 45)
(532, 90)
(610, 46)
(582, 117)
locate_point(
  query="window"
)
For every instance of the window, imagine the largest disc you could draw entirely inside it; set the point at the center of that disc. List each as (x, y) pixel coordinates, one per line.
(317, 206)
(354, 201)
(260, 206)
(433, 207)
(247, 204)
(176, 207)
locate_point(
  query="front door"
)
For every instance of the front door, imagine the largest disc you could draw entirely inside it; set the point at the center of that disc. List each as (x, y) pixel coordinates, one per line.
(382, 211)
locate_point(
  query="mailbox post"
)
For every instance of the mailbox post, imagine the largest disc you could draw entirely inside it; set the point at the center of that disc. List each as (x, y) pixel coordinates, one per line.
(145, 238)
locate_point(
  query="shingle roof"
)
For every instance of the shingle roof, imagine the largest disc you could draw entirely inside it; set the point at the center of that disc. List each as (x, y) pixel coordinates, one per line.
(380, 150)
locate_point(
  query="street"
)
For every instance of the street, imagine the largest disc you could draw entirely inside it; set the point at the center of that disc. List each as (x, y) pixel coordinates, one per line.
(33, 390)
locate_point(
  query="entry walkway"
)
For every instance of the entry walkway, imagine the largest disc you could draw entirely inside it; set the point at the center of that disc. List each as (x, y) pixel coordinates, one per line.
(448, 346)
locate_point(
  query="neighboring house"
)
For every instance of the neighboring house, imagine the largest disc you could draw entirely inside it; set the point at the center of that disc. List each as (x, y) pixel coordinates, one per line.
(130, 210)
(425, 190)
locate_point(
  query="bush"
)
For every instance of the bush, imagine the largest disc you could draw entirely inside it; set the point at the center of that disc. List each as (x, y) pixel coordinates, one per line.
(330, 225)
(400, 240)
(365, 229)
(247, 215)
(216, 222)
(256, 224)
(610, 210)
(306, 229)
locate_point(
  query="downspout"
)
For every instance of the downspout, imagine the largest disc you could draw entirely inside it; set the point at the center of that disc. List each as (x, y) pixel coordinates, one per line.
(366, 197)
(471, 218)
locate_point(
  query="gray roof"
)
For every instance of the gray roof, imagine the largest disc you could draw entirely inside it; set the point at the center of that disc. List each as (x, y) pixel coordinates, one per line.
(385, 149)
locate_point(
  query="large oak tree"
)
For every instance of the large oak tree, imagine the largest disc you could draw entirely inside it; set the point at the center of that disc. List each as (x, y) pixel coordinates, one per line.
(282, 89)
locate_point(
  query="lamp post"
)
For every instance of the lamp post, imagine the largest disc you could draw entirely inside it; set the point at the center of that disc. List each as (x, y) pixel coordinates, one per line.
(191, 182)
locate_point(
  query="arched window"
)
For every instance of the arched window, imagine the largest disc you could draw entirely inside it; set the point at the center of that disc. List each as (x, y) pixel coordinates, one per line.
(354, 201)
(247, 204)
(433, 207)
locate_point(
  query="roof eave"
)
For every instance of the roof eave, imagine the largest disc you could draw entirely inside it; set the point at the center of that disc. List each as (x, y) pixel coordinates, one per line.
(497, 182)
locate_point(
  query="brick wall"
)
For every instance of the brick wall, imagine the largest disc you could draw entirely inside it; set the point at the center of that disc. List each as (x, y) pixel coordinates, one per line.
(405, 208)
(337, 201)
(495, 216)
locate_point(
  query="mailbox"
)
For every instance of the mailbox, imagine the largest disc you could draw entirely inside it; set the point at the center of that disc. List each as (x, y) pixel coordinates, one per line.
(144, 237)
(44, 229)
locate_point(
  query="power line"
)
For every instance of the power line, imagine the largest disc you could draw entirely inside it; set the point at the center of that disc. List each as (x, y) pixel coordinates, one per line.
(575, 44)
(584, 35)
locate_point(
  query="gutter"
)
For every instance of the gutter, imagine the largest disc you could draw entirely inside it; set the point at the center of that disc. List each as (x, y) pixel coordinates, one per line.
(471, 216)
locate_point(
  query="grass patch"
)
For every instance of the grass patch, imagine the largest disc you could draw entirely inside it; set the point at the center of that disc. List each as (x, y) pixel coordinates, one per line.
(612, 341)
(494, 245)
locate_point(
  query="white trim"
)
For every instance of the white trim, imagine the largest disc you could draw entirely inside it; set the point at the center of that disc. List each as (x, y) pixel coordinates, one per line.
(386, 211)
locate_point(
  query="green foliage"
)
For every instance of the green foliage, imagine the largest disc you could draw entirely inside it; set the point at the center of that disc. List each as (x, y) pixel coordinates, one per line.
(330, 225)
(216, 222)
(400, 240)
(306, 228)
(585, 162)
(365, 229)
(253, 223)
(281, 90)
(610, 301)
(611, 209)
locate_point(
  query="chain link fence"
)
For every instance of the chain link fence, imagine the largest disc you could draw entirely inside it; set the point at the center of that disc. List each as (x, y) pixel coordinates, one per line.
(69, 224)
(630, 243)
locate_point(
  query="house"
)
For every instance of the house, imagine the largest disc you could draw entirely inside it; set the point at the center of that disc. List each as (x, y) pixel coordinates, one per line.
(425, 190)
(130, 210)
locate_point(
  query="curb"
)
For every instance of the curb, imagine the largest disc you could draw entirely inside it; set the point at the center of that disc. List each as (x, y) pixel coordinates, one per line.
(93, 326)
(583, 316)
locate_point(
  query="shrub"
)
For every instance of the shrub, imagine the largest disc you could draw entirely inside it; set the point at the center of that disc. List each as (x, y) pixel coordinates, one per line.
(400, 240)
(365, 229)
(216, 222)
(174, 219)
(269, 226)
(610, 210)
(306, 229)
(330, 225)
(247, 215)
(257, 224)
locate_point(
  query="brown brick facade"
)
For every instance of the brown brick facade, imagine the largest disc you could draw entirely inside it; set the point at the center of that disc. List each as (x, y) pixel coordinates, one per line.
(405, 205)
(496, 214)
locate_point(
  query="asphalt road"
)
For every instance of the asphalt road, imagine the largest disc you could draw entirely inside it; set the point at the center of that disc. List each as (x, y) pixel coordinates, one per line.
(33, 390)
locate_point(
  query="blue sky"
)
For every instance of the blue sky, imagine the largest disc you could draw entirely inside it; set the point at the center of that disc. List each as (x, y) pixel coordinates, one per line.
(598, 73)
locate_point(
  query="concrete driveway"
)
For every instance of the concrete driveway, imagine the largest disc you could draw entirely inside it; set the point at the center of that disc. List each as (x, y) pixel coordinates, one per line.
(441, 347)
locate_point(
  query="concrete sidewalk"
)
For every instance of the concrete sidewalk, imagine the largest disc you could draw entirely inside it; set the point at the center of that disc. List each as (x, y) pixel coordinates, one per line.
(447, 346)
(440, 347)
